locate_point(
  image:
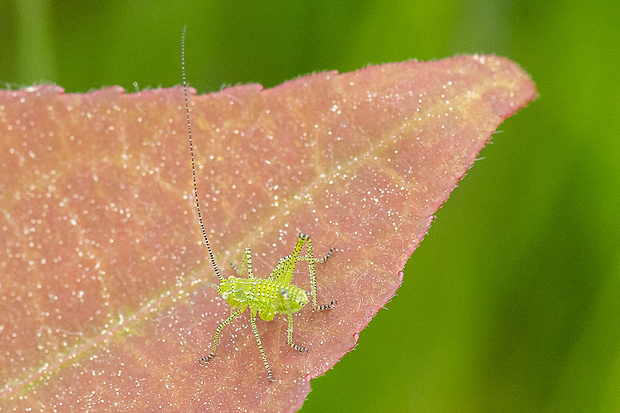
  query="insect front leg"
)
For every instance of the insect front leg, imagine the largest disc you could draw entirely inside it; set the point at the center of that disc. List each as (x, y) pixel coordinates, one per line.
(204, 287)
(260, 345)
(290, 335)
(247, 260)
(233, 315)
(234, 267)
(311, 260)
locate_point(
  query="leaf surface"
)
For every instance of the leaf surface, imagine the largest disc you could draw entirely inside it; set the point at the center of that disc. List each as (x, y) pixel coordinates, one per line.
(102, 263)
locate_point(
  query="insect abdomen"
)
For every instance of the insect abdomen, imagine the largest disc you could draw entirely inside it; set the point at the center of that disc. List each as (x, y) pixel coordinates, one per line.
(266, 296)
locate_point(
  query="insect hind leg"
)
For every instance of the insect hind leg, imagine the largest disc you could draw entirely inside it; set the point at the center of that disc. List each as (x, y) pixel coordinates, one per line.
(311, 260)
(323, 259)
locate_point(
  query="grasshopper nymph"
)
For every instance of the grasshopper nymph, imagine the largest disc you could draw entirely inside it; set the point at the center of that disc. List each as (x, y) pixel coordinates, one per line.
(267, 297)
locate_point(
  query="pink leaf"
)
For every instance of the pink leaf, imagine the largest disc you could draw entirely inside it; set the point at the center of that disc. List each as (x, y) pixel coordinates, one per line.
(102, 259)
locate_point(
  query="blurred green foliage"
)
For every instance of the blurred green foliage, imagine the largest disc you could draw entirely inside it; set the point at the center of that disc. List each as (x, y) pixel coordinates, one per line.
(512, 303)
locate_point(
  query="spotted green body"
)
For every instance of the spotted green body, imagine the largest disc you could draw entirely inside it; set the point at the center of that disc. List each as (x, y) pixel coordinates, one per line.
(267, 297)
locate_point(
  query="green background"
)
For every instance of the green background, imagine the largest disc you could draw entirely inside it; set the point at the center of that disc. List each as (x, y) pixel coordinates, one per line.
(512, 302)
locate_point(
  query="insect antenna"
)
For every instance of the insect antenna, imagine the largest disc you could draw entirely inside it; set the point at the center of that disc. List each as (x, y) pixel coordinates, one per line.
(191, 150)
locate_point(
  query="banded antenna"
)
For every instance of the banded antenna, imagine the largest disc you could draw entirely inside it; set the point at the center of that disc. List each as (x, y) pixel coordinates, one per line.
(191, 150)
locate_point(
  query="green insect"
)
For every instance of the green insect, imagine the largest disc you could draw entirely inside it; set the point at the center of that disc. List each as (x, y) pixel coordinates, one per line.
(267, 297)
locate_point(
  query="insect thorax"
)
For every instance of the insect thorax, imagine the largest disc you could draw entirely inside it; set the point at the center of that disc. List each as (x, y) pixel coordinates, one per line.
(266, 296)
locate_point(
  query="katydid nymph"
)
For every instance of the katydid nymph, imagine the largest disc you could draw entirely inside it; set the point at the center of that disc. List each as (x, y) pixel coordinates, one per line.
(267, 297)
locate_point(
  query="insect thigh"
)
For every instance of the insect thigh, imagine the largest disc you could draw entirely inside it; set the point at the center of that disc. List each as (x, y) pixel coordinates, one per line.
(285, 268)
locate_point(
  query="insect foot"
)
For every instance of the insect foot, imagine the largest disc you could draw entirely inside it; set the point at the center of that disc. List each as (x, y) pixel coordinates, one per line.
(205, 360)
